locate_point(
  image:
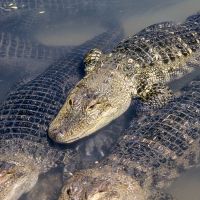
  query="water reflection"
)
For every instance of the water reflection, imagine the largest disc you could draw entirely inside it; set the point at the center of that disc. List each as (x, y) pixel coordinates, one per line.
(187, 186)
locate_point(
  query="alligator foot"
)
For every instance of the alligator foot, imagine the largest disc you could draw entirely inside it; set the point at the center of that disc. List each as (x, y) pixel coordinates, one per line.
(92, 59)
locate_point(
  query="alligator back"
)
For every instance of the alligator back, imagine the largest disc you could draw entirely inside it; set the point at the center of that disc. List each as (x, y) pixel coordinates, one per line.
(160, 51)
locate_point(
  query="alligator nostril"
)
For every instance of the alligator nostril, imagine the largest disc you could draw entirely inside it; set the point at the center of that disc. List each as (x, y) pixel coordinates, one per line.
(69, 192)
(58, 133)
(61, 132)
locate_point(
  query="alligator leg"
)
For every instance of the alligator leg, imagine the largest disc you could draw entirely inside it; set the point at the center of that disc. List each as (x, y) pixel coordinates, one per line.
(92, 59)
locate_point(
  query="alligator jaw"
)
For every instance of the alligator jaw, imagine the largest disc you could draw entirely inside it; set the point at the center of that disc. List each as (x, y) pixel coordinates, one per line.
(74, 134)
(102, 184)
(16, 178)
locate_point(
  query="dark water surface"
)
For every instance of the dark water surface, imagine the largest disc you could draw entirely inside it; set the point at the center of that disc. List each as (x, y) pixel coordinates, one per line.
(74, 30)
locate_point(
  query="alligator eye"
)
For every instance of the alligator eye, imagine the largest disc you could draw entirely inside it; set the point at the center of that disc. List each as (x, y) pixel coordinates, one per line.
(91, 107)
(70, 102)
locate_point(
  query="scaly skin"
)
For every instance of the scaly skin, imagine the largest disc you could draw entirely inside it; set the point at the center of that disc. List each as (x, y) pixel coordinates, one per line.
(26, 114)
(153, 151)
(23, 55)
(139, 66)
(12, 46)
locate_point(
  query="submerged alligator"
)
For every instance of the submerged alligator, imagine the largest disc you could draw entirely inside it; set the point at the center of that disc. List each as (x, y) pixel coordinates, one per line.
(153, 151)
(139, 66)
(26, 57)
(19, 50)
(25, 148)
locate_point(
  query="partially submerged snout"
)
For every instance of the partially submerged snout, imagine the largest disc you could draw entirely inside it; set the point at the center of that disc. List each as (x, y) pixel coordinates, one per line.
(101, 184)
(95, 101)
(16, 179)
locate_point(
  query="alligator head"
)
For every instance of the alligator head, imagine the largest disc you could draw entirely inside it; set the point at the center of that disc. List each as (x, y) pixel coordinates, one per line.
(16, 179)
(100, 97)
(101, 184)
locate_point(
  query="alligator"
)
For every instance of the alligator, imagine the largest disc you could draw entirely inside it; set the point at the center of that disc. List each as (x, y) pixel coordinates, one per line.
(25, 115)
(26, 57)
(139, 67)
(151, 153)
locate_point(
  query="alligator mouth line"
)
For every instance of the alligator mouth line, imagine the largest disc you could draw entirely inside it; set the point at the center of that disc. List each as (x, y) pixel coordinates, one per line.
(92, 129)
(74, 139)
